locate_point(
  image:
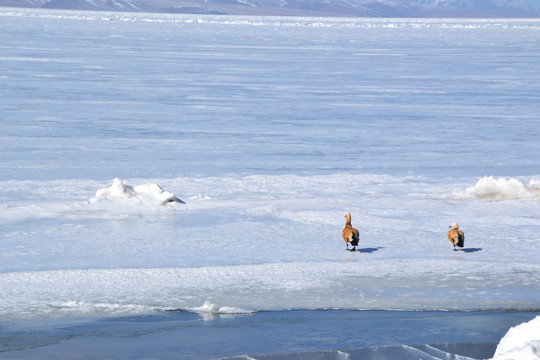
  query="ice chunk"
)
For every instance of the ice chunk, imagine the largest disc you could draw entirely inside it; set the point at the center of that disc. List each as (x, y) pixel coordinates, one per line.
(118, 189)
(211, 308)
(521, 342)
(209, 311)
(493, 188)
(148, 193)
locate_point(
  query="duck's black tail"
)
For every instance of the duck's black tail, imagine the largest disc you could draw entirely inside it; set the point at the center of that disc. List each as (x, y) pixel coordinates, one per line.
(354, 239)
(461, 240)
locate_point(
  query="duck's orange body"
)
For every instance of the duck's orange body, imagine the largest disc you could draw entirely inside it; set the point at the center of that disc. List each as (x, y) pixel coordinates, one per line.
(456, 236)
(350, 234)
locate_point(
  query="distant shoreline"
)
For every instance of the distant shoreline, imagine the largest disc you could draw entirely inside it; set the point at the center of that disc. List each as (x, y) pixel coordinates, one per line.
(367, 10)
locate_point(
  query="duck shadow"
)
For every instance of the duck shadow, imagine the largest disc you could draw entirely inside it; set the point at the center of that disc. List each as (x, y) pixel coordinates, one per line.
(370, 250)
(470, 250)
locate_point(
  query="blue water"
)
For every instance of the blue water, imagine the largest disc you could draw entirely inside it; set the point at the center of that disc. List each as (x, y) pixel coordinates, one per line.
(185, 335)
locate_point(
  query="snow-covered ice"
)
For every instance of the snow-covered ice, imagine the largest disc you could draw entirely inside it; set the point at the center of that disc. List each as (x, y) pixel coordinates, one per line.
(238, 248)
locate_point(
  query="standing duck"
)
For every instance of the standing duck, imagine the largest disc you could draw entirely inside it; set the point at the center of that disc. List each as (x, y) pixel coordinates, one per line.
(456, 236)
(350, 234)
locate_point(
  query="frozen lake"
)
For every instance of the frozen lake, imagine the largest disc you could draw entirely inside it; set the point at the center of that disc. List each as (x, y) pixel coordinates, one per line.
(269, 130)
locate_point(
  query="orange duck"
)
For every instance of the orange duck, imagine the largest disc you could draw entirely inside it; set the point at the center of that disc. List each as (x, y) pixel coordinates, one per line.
(456, 236)
(350, 234)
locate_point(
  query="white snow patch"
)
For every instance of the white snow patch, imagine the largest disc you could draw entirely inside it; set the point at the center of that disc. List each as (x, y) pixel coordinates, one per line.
(493, 188)
(147, 193)
(521, 342)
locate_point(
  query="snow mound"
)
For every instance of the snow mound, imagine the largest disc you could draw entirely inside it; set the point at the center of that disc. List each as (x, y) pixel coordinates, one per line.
(147, 193)
(521, 342)
(493, 188)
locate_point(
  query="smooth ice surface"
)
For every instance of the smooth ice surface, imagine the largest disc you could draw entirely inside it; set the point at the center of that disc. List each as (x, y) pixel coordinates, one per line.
(99, 96)
(269, 130)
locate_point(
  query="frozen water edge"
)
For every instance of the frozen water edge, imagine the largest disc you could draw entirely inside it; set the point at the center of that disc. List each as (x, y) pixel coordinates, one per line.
(397, 284)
